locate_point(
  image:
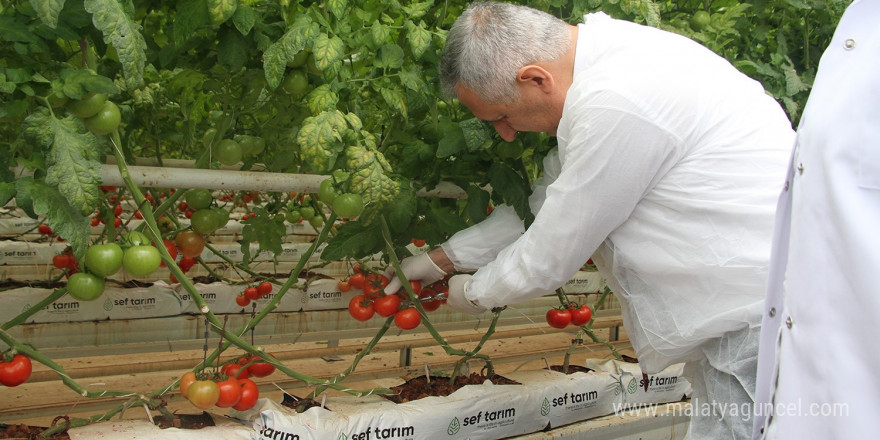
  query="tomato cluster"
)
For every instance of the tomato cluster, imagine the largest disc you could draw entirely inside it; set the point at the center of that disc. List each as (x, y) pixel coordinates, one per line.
(374, 300)
(15, 369)
(98, 114)
(231, 388)
(253, 293)
(572, 314)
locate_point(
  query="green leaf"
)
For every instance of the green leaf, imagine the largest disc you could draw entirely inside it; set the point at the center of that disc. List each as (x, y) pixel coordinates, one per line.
(244, 19)
(336, 7)
(320, 140)
(13, 31)
(48, 11)
(477, 202)
(369, 178)
(221, 10)
(232, 49)
(475, 133)
(124, 35)
(353, 239)
(390, 57)
(79, 82)
(413, 79)
(327, 50)
(512, 188)
(418, 37)
(322, 99)
(396, 100)
(190, 16)
(417, 10)
(452, 141)
(64, 219)
(264, 230)
(379, 34)
(72, 158)
(302, 33)
(403, 209)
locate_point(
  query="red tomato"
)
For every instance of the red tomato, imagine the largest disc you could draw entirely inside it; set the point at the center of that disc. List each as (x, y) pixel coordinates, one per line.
(407, 319)
(430, 306)
(95, 221)
(361, 308)
(230, 392)
(580, 315)
(343, 286)
(186, 380)
(15, 372)
(258, 367)
(186, 263)
(252, 293)
(249, 395)
(44, 229)
(242, 300)
(203, 393)
(171, 248)
(264, 288)
(388, 305)
(117, 211)
(357, 280)
(182, 207)
(61, 261)
(117, 222)
(418, 242)
(558, 318)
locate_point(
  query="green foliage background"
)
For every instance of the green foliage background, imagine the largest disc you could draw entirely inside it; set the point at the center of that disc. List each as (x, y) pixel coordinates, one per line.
(189, 73)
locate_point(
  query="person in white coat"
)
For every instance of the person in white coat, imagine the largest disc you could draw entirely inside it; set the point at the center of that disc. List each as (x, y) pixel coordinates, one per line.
(816, 370)
(668, 167)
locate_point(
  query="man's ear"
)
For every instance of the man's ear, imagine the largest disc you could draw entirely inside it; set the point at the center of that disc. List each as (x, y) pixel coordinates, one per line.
(535, 75)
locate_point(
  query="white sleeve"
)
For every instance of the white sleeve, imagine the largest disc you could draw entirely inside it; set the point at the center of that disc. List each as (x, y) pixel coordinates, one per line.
(610, 160)
(474, 247)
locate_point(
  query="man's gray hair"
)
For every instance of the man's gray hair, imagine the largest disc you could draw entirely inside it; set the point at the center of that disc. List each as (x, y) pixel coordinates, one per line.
(490, 42)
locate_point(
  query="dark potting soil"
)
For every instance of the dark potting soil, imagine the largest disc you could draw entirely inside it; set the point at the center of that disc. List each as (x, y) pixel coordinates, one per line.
(26, 432)
(185, 421)
(419, 387)
(571, 369)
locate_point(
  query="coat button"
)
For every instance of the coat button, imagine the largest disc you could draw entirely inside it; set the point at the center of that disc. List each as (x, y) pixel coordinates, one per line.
(788, 322)
(849, 44)
(772, 312)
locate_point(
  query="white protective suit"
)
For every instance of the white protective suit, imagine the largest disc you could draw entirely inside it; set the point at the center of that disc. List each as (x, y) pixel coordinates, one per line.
(818, 359)
(669, 163)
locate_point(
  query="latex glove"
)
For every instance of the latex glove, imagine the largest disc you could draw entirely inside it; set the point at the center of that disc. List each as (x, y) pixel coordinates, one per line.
(457, 286)
(418, 267)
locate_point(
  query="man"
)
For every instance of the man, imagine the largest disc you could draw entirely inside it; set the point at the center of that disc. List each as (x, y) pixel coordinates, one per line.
(816, 375)
(668, 165)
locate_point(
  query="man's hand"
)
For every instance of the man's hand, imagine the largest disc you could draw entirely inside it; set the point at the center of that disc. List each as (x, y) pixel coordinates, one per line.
(457, 300)
(418, 267)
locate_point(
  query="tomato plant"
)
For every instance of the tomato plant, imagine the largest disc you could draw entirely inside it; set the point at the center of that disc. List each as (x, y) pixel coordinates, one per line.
(103, 260)
(15, 371)
(361, 308)
(141, 260)
(85, 286)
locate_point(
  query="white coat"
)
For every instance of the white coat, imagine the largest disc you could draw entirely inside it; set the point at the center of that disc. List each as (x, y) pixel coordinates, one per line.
(818, 376)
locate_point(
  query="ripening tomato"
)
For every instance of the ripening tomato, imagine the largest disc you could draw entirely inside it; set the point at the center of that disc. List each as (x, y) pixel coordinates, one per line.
(558, 318)
(249, 395)
(15, 372)
(580, 315)
(190, 243)
(361, 308)
(186, 380)
(230, 392)
(408, 318)
(343, 286)
(387, 305)
(203, 393)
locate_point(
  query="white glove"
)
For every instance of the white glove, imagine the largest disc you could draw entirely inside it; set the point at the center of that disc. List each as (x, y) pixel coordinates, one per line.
(457, 300)
(418, 267)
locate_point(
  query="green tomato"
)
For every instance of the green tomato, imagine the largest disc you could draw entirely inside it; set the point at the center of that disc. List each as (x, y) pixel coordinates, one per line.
(293, 216)
(295, 82)
(307, 212)
(250, 145)
(208, 137)
(509, 150)
(222, 216)
(228, 152)
(105, 121)
(57, 99)
(204, 221)
(104, 260)
(141, 260)
(700, 20)
(316, 221)
(348, 205)
(198, 198)
(299, 59)
(85, 286)
(88, 106)
(135, 238)
(326, 192)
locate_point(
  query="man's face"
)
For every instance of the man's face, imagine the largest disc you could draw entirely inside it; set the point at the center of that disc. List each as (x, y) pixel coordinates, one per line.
(531, 112)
